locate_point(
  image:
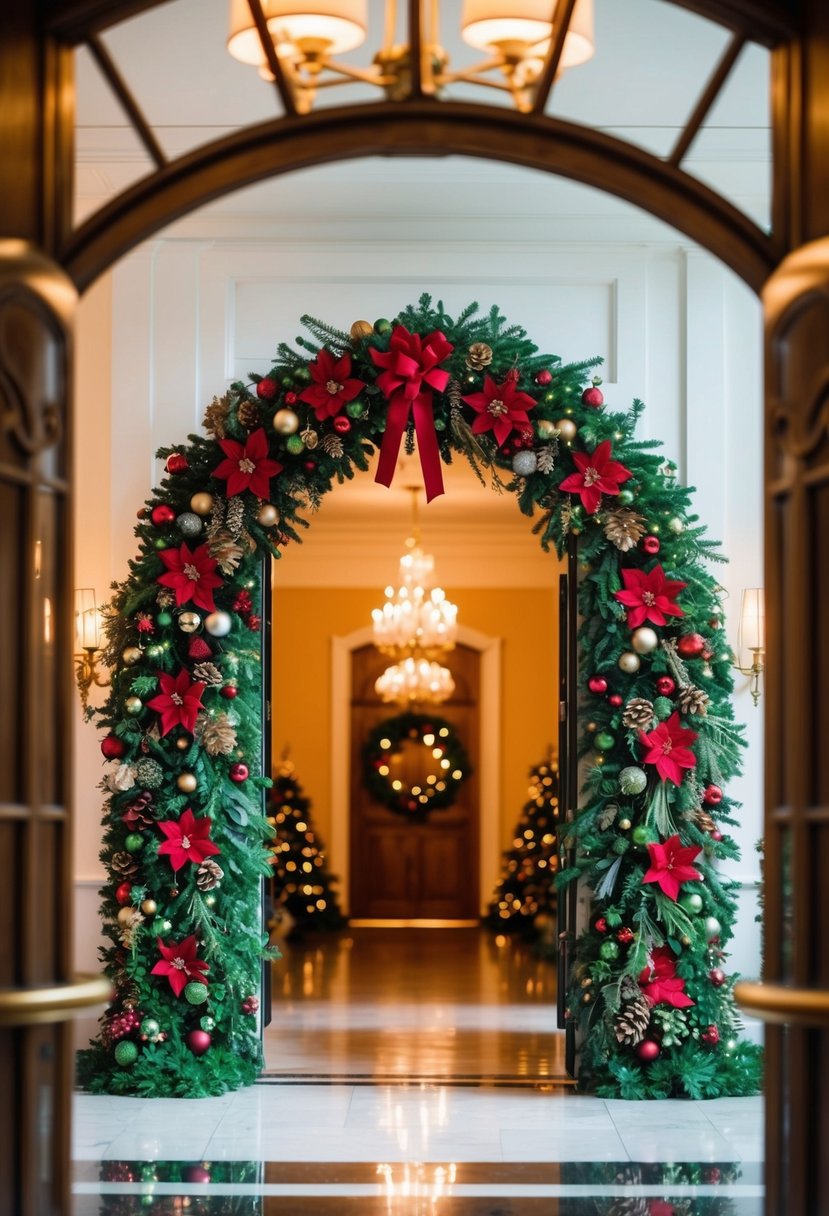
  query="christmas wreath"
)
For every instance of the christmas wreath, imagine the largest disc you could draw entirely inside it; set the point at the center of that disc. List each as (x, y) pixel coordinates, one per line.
(432, 791)
(185, 839)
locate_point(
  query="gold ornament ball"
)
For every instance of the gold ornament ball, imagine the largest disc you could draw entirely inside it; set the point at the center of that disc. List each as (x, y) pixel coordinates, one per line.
(361, 329)
(567, 429)
(285, 422)
(202, 503)
(133, 705)
(182, 743)
(189, 622)
(268, 515)
(149, 907)
(545, 429)
(591, 726)
(131, 655)
(186, 783)
(624, 825)
(125, 915)
(629, 662)
(644, 640)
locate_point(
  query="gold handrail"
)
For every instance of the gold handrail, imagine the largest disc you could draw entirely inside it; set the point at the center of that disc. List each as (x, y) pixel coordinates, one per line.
(57, 1003)
(779, 1004)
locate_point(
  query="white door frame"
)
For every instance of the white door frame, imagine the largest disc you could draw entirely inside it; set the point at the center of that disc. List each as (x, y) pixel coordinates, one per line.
(489, 756)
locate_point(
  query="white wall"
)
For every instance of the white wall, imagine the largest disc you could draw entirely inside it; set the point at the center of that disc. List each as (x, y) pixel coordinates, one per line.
(189, 314)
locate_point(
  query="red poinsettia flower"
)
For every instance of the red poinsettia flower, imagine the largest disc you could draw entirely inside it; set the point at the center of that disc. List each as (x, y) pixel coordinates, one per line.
(192, 575)
(188, 839)
(597, 474)
(671, 865)
(649, 596)
(247, 466)
(333, 385)
(179, 963)
(179, 701)
(668, 748)
(660, 982)
(501, 409)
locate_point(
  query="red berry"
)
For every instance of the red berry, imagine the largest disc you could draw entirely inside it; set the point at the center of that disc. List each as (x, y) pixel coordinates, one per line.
(712, 795)
(665, 686)
(597, 685)
(342, 425)
(230, 691)
(177, 462)
(162, 514)
(691, 645)
(113, 747)
(266, 388)
(593, 397)
(625, 936)
(715, 835)
(650, 545)
(309, 466)
(291, 398)
(544, 377)
(601, 925)
(616, 700)
(239, 773)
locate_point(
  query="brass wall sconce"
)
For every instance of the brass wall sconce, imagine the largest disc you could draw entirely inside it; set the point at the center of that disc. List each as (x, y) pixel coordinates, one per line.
(751, 637)
(87, 644)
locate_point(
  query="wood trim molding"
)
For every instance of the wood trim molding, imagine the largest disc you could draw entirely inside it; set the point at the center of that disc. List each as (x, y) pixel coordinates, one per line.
(489, 649)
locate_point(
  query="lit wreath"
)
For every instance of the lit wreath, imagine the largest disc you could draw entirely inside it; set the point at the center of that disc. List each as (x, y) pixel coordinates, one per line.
(440, 787)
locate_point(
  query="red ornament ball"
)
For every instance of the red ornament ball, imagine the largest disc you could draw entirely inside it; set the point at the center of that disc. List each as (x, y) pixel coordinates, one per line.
(122, 893)
(544, 377)
(593, 397)
(177, 462)
(195, 1173)
(715, 835)
(513, 375)
(712, 795)
(342, 425)
(647, 1051)
(113, 747)
(616, 700)
(162, 514)
(308, 466)
(598, 685)
(198, 1041)
(625, 936)
(717, 977)
(666, 686)
(239, 773)
(266, 389)
(691, 645)
(651, 545)
(601, 925)
(291, 398)
(230, 691)
(710, 1036)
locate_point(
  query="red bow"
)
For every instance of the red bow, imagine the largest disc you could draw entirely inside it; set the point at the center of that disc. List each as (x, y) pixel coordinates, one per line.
(412, 371)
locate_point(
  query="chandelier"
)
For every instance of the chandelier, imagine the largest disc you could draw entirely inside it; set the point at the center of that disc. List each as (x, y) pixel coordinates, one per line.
(527, 44)
(416, 625)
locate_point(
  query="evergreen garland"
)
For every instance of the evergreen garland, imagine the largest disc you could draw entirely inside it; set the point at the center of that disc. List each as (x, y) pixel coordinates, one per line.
(450, 763)
(183, 712)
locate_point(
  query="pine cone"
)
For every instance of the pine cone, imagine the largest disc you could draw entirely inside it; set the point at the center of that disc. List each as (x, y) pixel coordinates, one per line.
(546, 458)
(124, 864)
(208, 673)
(217, 516)
(632, 1020)
(332, 445)
(209, 875)
(235, 516)
(310, 438)
(623, 528)
(638, 714)
(692, 700)
(703, 820)
(478, 356)
(216, 735)
(165, 599)
(249, 415)
(215, 417)
(226, 551)
(454, 394)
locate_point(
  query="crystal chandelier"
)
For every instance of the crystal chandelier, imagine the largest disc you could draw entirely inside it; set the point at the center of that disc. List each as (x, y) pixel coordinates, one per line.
(416, 625)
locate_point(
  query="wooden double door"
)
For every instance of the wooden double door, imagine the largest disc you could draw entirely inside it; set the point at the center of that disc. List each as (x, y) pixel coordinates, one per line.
(414, 869)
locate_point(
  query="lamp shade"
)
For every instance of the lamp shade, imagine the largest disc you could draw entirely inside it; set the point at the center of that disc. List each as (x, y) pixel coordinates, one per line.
(752, 634)
(340, 24)
(86, 620)
(488, 24)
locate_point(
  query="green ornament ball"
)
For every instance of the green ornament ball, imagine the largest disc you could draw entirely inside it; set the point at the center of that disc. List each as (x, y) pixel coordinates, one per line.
(604, 741)
(632, 780)
(382, 326)
(126, 1053)
(149, 773)
(196, 994)
(133, 842)
(302, 375)
(161, 542)
(608, 951)
(356, 408)
(625, 497)
(440, 424)
(640, 834)
(207, 1023)
(164, 619)
(691, 902)
(287, 381)
(162, 927)
(150, 1027)
(295, 445)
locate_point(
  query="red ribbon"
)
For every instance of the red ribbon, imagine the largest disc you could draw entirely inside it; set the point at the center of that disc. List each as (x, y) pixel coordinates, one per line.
(411, 372)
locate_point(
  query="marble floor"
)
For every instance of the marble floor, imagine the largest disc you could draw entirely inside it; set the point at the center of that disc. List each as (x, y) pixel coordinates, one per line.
(415, 1073)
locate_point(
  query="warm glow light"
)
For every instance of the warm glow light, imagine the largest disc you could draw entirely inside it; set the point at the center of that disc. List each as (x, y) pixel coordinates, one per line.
(414, 680)
(493, 24)
(86, 620)
(339, 25)
(752, 634)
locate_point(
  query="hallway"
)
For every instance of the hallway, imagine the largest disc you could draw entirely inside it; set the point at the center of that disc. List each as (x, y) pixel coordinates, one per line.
(415, 1072)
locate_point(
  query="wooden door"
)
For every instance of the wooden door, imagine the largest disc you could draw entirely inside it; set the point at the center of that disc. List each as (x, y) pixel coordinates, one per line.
(403, 868)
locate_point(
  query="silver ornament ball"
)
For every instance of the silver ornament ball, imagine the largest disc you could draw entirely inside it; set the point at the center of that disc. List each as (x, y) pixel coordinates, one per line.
(713, 928)
(218, 624)
(188, 524)
(524, 463)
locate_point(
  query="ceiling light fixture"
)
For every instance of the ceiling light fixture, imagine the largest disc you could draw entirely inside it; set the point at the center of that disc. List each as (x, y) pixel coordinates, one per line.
(527, 43)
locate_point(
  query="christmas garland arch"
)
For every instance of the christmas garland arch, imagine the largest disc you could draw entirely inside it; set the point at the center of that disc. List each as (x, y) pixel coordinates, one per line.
(185, 833)
(435, 791)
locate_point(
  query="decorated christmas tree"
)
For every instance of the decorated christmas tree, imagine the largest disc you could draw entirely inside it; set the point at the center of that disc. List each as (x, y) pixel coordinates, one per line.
(525, 898)
(302, 883)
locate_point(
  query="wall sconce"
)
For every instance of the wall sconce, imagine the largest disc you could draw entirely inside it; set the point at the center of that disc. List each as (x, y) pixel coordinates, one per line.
(751, 636)
(87, 643)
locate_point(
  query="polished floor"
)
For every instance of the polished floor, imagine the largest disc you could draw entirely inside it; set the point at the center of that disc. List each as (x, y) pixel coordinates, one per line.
(419, 1073)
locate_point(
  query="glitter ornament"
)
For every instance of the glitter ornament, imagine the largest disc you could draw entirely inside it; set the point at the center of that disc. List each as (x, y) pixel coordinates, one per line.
(149, 773)
(632, 780)
(196, 994)
(126, 1053)
(188, 524)
(524, 463)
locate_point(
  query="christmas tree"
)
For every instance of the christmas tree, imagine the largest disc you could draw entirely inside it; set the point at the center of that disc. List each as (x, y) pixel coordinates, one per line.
(302, 883)
(525, 898)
